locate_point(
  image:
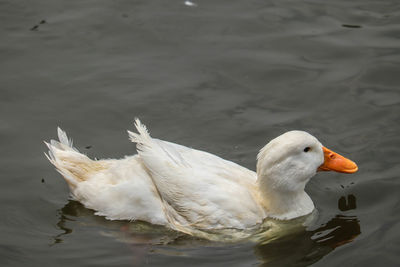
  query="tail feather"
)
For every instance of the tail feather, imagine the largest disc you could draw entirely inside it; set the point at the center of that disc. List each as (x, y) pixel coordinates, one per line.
(74, 166)
(62, 136)
(64, 144)
(142, 138)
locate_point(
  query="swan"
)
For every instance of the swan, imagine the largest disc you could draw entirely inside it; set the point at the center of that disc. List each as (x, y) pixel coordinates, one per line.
(187, 189)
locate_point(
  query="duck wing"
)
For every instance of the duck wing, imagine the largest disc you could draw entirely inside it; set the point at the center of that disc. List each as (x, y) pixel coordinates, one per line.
(199, 189)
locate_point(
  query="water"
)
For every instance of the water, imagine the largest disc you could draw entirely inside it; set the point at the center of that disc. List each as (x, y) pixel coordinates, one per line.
(221, 76)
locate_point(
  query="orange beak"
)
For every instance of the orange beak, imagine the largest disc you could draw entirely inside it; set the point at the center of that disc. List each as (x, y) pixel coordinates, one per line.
(335, 162)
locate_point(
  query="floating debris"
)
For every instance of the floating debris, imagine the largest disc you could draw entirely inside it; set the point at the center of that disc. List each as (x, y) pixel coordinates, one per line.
(88, 147)
(351, 26)
(190, 3)
(36, 27)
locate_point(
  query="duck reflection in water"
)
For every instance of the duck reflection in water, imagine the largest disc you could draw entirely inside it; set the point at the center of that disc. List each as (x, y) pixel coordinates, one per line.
(290, 241)
(305, 247)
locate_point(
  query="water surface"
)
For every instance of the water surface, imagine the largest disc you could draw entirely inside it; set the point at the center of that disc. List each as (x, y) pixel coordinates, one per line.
(220, 76)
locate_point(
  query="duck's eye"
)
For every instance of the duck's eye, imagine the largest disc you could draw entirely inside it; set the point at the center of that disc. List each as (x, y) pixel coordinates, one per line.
(307, 149)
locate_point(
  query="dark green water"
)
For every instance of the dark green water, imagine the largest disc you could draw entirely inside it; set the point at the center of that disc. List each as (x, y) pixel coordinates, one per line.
(222, 76)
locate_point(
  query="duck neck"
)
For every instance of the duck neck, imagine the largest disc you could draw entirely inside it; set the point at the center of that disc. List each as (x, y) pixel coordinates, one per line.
(284, 204)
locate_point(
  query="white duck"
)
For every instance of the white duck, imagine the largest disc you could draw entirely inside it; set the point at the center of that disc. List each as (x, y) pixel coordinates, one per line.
(188, 189)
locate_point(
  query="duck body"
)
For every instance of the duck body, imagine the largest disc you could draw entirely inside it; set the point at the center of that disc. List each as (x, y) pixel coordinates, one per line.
(187, 189)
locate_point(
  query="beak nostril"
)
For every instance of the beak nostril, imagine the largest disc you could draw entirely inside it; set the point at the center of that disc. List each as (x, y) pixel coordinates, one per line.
(336, 162)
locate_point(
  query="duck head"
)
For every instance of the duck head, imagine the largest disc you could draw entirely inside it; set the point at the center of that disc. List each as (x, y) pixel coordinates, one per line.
(287, 163)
